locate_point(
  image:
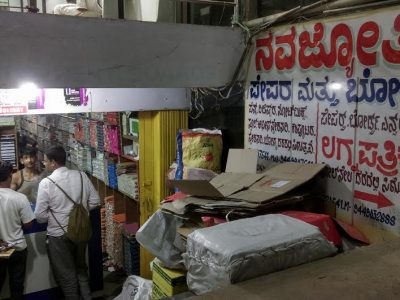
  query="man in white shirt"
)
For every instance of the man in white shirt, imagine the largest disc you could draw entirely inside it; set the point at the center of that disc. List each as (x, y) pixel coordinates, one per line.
(15, 214)
(67, 259)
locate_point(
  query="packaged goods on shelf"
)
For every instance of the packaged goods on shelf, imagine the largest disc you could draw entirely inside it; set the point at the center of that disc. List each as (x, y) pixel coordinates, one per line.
(117, 255)
(79, 132)
(134, 127)
(111, 139)
(97, 116)
(7, 121)
(109, 237)
(128, 184)
(86, 130)
(131, 249)
(131, 256)
(93, 134)
(103, 229)
(126, 168)
(111, 118)
(112, 175)
(7, 149)
(100, 136)
(81, 157)
(99, 165)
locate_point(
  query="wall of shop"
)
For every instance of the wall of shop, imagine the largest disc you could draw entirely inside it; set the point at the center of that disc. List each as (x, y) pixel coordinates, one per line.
(328, 91)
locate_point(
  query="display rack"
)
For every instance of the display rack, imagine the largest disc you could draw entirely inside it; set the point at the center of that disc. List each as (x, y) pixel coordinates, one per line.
(8, 141)
(93, 142)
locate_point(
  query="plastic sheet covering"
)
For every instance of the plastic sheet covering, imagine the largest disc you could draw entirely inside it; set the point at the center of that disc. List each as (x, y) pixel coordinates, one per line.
(247, 248)
(135, 288)
(158, 235)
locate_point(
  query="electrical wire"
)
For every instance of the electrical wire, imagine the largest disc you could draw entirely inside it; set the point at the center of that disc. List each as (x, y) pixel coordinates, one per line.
(295, 14)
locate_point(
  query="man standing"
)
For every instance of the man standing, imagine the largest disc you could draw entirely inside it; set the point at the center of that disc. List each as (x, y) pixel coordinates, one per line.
(53, 205)
(26, 181)
(15, 214)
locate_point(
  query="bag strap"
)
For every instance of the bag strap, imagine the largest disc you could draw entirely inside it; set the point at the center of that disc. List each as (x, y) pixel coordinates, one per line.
(65, 193)
(68, 197)
(51, 211)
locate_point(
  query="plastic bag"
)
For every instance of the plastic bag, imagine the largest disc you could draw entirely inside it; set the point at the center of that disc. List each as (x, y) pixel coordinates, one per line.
(158, 235)
(136, 288)
(199, 148)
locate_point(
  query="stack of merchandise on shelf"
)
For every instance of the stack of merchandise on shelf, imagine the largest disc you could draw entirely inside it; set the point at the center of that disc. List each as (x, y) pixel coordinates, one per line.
(81, 157)
(103, 229)
(109, 236)
(7, 148)
(79, 131)
(62, 137)
(111, 118)
(86, 131)
(128, 179)
(93, 134)
(111, 139)
(97, 116)
(76, 155)
(87, 159)
(7, 121)
(112, 175)
(167, 282)
(134, 127)
(113, 233)
(65, 124)
(117, 255)
(100, 136)
(131, 249)
(40, 144)
(71, 141)
(99, 164)
(42, 120)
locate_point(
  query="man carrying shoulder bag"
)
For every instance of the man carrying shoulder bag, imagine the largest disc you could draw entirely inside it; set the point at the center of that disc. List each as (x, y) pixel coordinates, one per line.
(64, 201)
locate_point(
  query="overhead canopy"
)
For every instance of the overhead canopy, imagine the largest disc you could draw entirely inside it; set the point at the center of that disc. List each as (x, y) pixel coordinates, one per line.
(59, 51)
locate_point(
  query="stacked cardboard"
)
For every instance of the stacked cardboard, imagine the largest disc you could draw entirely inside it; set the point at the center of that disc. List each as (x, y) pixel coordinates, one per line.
(167, 282)
(241, 192)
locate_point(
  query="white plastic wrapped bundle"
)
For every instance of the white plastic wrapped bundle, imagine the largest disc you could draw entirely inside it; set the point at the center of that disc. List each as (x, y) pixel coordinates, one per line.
(128, 184)
(158, 235)
(247, 248)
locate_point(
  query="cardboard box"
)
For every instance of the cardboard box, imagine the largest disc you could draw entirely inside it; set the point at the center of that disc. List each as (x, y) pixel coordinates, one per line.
(246, 185)
(228, 183)
(278, 181)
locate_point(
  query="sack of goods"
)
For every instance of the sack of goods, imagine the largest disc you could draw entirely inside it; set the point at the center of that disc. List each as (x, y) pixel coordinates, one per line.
(243, 249)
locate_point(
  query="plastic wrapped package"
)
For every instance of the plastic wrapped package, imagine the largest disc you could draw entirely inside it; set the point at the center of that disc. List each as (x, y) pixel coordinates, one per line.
(128, 184)
(243, 249)
(198, 148)
(135, 288)
(192, 174)
(158, 235)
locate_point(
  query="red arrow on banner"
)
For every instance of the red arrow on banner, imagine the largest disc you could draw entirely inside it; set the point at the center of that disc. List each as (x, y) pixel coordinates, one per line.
(379, 199)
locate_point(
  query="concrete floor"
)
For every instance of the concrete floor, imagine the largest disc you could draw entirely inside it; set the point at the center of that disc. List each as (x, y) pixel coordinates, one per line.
(370, 272)
(112, 286)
